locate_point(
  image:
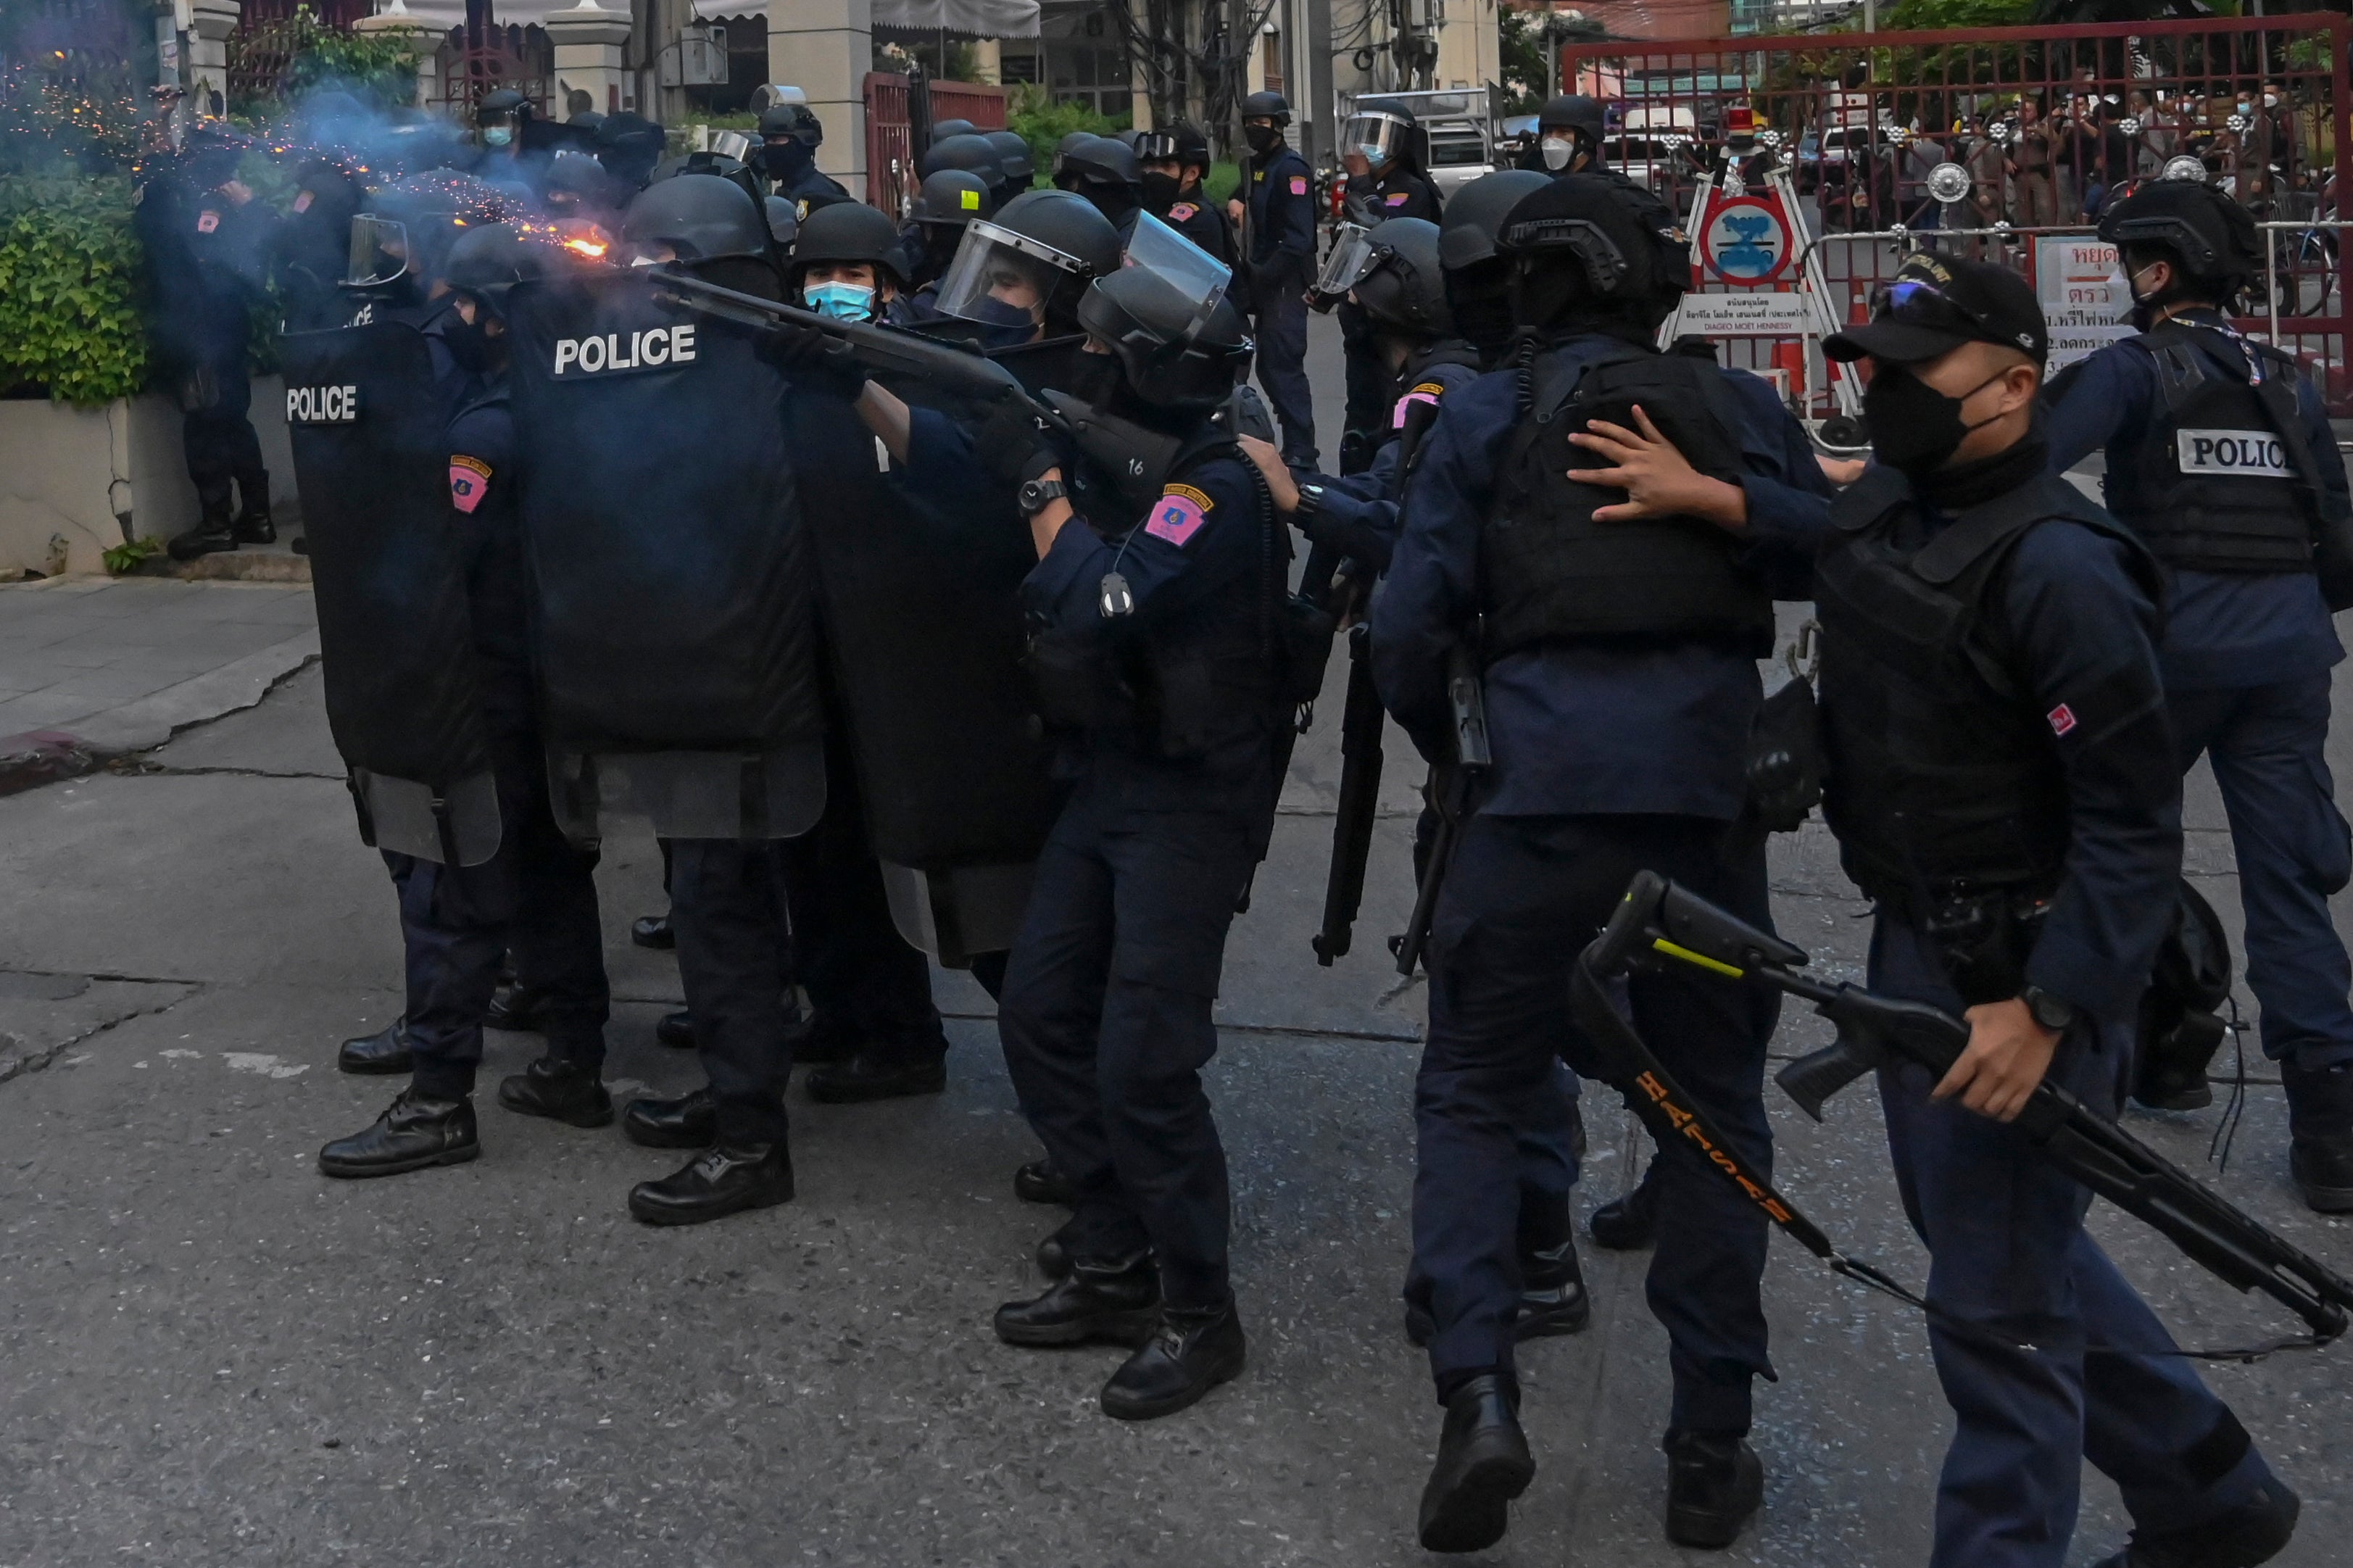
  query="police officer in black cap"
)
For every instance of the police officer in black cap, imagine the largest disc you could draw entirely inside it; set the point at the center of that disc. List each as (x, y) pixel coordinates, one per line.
(1276, 211)
(1602, 529)
(1174, 164)
(790, 135)
(2221, 460)
(1107, 173)
(210, 245)
(1568, 136)
(538, 892)
(2002, 785)
(1151, 602)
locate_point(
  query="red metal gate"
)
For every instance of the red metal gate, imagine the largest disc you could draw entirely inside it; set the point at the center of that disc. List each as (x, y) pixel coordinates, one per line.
(891, 178)
(2045, 121)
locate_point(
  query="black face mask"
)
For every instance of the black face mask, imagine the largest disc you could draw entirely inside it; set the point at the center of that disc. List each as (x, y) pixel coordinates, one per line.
(468, 342)
(1261, 137)
(1095, 379)
(783, 160)
(1914, 427)
(1484, 321)
(1160, 192)
(1115, 202)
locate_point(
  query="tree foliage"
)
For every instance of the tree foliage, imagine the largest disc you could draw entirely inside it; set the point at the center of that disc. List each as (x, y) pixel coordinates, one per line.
(68, 289)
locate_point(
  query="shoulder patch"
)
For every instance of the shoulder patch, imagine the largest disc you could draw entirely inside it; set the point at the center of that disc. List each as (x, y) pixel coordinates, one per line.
(207, 221)
(1428, 392)
(1298, 185)
(1178, 514)
(1181, 211)
(470, 480)
(2062, 719)
(302, 200)
(1258, 175)
(1399, 198)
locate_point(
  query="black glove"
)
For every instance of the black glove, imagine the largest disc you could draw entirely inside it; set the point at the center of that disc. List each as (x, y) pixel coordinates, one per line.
(1010, 443)
(817, 360)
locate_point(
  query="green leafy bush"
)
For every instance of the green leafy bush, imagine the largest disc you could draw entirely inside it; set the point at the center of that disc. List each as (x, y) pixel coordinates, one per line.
(68, 289)
(1043, 121)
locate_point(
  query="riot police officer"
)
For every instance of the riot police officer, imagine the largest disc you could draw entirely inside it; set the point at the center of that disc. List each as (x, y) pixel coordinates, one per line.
(537, 892)
(1019, 164)
(210, 243)
(2220, 459)
(1568, 136)
(1619, 641)
(947, 200)
(1175, 162)
(314, 242)
(1019, 276)
(790, 134)
(1382, 149)
(1106, 172)
(846, 264)
(2002, 785)
(1277, 213)
(629, 145)
(1150, 655)
(504, 155)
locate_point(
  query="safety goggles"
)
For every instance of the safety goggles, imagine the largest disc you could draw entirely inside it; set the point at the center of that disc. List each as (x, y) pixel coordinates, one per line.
(1919, 302)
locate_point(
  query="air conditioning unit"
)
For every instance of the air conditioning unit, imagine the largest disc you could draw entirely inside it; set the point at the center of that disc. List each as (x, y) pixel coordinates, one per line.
(698, 59)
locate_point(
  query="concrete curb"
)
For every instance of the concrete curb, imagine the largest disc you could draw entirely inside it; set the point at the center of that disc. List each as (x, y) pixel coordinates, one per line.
(152, 721)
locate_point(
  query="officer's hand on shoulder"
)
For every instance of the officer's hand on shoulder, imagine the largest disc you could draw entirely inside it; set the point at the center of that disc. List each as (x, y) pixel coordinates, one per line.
(1269, 463)
(1657, 480)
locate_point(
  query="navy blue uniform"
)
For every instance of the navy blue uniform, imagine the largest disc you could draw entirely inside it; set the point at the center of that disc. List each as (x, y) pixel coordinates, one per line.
(1279, 191)
(2246, 658)
(1607, 758)
(537, 894)
(1372, 199)
(1108, 992)
(1193, 215)
(808, 189)
(2003, 1227)
(210, 259)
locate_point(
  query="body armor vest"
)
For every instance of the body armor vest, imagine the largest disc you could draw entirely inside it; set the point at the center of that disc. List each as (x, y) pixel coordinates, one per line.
(1548, 572)
(1944, 774)
(2218, 485)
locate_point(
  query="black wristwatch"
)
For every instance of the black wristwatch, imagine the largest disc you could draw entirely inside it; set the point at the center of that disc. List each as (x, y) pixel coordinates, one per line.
(1036, 495)
(2055, 1014)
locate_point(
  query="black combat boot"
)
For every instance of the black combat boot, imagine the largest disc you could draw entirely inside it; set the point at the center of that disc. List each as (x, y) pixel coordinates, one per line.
(1552, 1295)
(520, 1008)
(253, 526)
(385, 1051)
(1115, 1300)
(878, 1074)
(1053, 1257)
(1629, 1223)
(1482, 1464)
(654, 932)
(559, 1090)
(676, 1029)
(1191, 1353)
(2255, 1532)
(719, 1181)
(1038, 1182)
(690, 1123)
(2320, 1128)
(210, 536)
(413, 1132)
(1713, 1484)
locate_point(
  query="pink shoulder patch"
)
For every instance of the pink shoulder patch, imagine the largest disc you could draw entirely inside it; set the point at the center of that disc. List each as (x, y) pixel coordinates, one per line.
(1399, 198)
(2061, 718)
(1298, 185)
(207, 221)
(470, 480)
(1178, 514)
(1181, 211)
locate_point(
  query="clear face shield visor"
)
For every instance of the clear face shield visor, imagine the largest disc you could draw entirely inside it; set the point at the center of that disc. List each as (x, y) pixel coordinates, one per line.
(1378, 135)
(1197, 279)
(1350, 259)
(380, 252)
(997, 277)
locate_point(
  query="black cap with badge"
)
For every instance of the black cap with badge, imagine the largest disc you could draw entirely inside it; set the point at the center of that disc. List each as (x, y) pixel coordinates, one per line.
(1934, 304)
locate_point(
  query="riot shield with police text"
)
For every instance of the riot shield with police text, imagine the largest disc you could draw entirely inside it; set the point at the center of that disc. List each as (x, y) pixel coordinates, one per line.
(923, 621)
(396, 636)
(675, 618)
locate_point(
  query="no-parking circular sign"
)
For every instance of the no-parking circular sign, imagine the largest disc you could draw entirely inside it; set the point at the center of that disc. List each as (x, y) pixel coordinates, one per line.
(1746, 241)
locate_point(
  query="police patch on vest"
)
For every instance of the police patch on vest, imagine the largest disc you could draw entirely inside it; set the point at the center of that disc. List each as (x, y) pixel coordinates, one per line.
(613, 352)
(322, 405)
(1179, 212)
(1178, 514)
(470, 480)
(1428, 392)
(207, 221)
(1298, 185)
(2249, 454)
(2062, 718)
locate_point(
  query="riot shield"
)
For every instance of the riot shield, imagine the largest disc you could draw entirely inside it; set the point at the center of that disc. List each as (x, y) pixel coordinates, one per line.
(923, 621)
(673, 599)
(396, 636)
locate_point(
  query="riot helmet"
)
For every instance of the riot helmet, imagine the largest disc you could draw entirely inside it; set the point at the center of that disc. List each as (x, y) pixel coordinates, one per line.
(2211, 241)
(1105, 170)
(576, 184)
(1402, 288)
(1020, 165)
(1383, 131)
(972, 154)
(629, 145)
(498, 118)
(790, 134)
(944, 129)
(697, 162)
(1179, 341)
(1478, 284)
(1264, 114)
(951, 199)
(488, 261)
(401, 240)
(1568, 132)
(694, 218)
(856, 249)
(1062, 151)
(1026, 267)
(1585, 248)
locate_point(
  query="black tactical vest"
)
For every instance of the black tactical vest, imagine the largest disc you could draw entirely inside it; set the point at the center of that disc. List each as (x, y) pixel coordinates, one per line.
(2217, 486)
(1548, 572)
(1944, 771)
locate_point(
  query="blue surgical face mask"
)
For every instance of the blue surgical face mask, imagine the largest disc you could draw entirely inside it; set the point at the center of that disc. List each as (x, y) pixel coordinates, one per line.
(1373, 153)
(840, 302)
(497, 136)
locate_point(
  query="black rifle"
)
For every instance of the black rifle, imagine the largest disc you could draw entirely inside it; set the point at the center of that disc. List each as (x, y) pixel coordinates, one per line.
(1467, 702)
(1660, 923)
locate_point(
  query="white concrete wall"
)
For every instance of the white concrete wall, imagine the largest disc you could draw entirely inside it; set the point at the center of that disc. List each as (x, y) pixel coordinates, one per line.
(66, 473)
